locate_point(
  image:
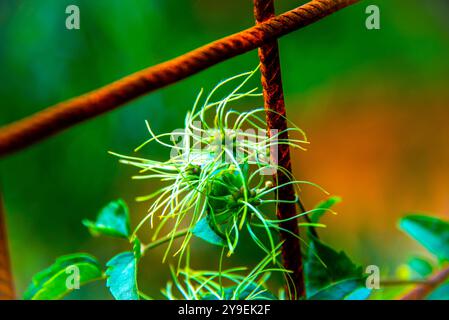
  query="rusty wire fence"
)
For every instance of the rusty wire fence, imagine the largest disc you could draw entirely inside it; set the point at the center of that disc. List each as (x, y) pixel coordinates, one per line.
(269, 27)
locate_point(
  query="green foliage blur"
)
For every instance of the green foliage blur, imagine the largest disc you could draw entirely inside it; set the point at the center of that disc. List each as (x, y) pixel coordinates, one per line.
(51, 187)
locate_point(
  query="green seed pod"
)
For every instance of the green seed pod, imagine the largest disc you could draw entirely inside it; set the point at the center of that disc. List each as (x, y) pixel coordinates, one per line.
(192, 172)
(226, 196)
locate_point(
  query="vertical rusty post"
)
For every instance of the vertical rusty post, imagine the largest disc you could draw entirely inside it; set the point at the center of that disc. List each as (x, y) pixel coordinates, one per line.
(6, 280)
(274, 100)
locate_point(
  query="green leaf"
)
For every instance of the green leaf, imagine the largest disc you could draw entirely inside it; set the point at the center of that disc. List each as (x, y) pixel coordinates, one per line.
(113, 220)
(323, 207)
(122, 276)
(325, 266)
(204, 231)
(59, 279)
(441, 293)
(421, 266)
(349, 289)
(432, 233)
(359, 294)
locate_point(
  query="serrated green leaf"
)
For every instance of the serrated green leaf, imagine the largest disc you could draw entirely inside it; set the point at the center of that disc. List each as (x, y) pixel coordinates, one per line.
(113, 220)
(323, 207)
(58, 280)
(122, 276)
(432, 233)
(421, 266)
(348, 289)
(325, 266)
(204, 231)
(441, 293)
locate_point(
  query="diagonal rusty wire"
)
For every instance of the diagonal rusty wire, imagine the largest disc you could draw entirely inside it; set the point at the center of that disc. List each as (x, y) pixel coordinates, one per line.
(54, 119)
(274, 105)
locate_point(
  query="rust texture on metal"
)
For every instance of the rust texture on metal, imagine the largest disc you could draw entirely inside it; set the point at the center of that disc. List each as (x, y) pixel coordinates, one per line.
(54, 119)
(274, 105)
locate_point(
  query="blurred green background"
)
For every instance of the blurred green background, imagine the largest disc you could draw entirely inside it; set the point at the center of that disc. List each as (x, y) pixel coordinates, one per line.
(374, 105)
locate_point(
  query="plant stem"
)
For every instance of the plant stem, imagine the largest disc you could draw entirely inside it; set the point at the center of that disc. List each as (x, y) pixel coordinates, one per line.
(7, 291)
(312, 229)
(274, 101)
(421, 291)
(163, 240)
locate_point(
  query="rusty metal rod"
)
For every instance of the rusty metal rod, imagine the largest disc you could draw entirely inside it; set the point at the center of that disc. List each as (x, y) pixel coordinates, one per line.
(274, 105)
(54, 119)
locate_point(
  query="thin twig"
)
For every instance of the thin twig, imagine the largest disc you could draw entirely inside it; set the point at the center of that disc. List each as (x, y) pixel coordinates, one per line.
(6, 279)
(274, 101)
(421, 291)
(63, 115)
